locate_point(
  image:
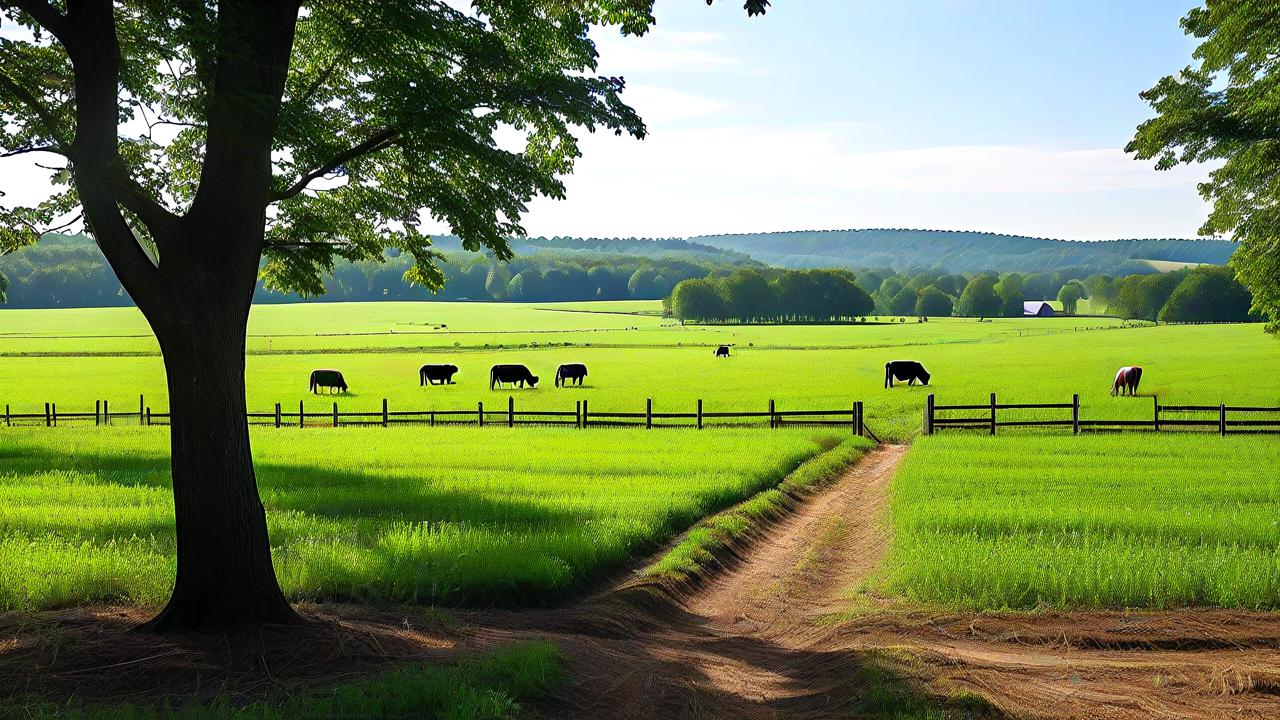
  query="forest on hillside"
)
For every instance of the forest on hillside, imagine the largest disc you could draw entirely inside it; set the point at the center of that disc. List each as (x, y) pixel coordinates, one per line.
(69, 271)
(960, 251)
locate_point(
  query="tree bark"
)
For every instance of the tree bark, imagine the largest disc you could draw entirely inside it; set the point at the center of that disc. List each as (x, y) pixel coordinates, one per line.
(225, 576)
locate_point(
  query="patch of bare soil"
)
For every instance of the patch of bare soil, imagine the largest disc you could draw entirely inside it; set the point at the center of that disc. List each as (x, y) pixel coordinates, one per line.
(755, 639)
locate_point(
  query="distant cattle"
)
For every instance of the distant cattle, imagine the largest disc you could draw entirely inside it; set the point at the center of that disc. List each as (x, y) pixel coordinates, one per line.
(722, 351)
(436, 374)
(570, 374)
(511, 374)
(331, 379)
(908, 370)
(1127, 379)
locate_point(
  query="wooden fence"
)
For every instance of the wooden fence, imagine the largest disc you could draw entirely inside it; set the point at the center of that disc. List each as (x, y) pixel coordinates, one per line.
(1224, 418)
(581, 416)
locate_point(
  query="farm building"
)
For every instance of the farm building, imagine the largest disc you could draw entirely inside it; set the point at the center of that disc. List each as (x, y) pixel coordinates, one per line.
(1037, 308)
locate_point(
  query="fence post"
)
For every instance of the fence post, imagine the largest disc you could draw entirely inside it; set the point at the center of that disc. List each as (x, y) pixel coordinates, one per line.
(54, 407)
(47, 421)
(6, 414)
(277, 414)
(577, 413)
(335, 414)
(1222, 419)
(511, 411)
(480, 412)
(97, 412)
(148, 417)
(773, 417)
(302, 416)
(584, 414)
(1155, 402)
(993, 413)
(106, 412)
(857, 417)
(433, 418)
(1075, 414)
(928, 414)
(142, 405)
(648, 414)
(699, 414)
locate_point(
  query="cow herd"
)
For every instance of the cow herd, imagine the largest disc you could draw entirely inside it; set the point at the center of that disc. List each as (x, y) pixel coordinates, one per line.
(909, 371)
(442, 374)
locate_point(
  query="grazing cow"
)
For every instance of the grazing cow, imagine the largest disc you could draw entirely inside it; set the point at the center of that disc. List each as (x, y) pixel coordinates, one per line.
(513, 374)
(331, 379)
(436, 374)
(1127, 379)
(908, 370)
(570, 374)
(722, 351)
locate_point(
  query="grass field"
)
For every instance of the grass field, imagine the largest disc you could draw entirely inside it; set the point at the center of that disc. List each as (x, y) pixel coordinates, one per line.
(486, 516)
(801, 367)
(482, 516)
(1096, 521)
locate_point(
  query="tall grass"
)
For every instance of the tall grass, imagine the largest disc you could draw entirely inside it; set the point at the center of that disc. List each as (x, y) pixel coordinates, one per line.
(451, 515)
(1132, 521)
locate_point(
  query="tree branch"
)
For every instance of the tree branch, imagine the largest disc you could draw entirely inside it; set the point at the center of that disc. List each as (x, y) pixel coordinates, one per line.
(135, 198)
(380, 140)
(42, 111)
(33, 149)
(46, 15)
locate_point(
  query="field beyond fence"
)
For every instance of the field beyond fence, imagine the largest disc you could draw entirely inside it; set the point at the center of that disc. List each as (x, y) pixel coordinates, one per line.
(1221, 417)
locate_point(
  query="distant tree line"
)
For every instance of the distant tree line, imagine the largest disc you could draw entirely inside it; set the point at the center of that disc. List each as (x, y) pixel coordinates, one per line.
(70, 272)
(747, 295)
(1203, 294)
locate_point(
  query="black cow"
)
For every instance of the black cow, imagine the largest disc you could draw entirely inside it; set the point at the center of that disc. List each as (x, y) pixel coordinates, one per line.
(570, 374)
(722, 351)
(331, 379)
(436, 374)
(513, 374)
(908, 370)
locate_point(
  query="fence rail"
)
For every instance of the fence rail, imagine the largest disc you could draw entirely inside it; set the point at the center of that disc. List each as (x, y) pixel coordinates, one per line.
(581, 416)
(1226, 418)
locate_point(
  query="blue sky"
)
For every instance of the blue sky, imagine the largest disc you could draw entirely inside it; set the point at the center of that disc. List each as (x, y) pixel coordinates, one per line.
(998, 115)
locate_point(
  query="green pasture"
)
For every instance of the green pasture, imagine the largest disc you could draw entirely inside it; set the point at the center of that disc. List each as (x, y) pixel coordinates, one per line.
(800, 367)
(474, 516)
(464, 327)
(1112, 521)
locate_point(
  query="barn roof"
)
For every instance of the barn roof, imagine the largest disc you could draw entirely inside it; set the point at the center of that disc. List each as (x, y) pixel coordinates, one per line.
(1037, 307)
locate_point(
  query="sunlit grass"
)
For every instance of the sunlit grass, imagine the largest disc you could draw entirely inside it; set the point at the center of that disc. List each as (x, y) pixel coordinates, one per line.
(446, 515)
(1101, 521)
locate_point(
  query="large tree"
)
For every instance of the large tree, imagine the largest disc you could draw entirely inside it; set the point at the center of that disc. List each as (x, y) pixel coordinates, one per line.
(1225, 108)
(206, 141)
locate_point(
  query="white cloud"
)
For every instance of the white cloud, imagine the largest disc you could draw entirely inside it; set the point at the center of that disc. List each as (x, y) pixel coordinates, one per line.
(661, 50)
(739, 179)
(660, 105)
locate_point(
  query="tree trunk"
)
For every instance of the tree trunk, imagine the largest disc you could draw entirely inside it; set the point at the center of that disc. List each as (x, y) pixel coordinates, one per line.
(225, 577)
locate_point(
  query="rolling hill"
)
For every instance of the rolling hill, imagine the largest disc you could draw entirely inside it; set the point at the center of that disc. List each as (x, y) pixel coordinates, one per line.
(959, 251)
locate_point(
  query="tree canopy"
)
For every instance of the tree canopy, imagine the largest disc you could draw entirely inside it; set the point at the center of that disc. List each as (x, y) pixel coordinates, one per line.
(1225, 107)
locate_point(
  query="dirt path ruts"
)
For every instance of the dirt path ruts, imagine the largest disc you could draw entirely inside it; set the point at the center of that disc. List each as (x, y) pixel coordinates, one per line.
(756, 641)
